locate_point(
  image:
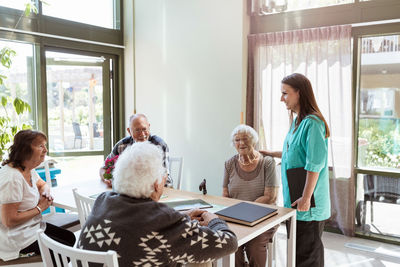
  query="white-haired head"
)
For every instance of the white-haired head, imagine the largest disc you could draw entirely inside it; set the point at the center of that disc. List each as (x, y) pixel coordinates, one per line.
(245, 129)
(137, 169)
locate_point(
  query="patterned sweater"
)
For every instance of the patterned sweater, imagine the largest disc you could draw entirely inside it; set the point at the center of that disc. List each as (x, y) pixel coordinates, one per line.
(148, 233)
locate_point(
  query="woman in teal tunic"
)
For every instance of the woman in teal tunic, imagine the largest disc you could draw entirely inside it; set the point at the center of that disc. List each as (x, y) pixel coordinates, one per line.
(306, 146)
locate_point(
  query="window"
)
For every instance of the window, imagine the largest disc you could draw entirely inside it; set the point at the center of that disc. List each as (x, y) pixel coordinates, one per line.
(273, 6)
(20, 77)
(379, 111)
(75, 106)
(102, 13)
(378, 182)
(16, 4)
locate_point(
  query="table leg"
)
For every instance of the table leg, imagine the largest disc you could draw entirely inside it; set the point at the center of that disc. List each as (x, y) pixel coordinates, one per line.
(291, 242)
(227, 261)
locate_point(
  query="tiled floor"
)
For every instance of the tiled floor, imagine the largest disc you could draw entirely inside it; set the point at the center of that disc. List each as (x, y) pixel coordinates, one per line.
(341, 251)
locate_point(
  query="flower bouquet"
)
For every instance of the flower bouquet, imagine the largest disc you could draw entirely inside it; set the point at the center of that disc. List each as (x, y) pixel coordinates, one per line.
(109, 166)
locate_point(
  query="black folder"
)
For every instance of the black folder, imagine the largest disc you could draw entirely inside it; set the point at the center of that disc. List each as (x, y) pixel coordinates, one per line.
(246, 213)
(297, 180)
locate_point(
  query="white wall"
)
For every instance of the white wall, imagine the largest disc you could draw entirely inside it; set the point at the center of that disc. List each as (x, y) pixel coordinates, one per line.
(188, 68)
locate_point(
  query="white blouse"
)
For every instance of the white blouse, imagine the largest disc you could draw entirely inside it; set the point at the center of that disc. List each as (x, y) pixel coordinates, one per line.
(14, 189)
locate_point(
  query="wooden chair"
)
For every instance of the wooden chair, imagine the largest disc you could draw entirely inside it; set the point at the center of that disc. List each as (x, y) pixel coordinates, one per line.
(84, 205)
(67, 254)
(175, 171)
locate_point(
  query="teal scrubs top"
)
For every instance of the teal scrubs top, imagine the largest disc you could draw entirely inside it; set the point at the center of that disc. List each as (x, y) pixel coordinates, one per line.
(308, 148)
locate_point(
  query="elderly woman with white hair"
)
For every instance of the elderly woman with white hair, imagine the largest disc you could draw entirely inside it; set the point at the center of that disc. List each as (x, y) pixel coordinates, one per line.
(250, 176)
(145, 232)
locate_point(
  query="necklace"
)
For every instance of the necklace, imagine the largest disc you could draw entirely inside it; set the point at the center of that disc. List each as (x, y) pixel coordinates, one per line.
(241, 160)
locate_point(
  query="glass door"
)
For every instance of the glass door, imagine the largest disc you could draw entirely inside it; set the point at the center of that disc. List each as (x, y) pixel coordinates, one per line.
(78, 98)
(378, 161)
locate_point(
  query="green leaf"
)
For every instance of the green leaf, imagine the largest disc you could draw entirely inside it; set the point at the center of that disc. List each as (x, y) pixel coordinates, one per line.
(2, 78)
(27, 107)
(30, 8)
(26, 126)
(4, 101)
(6, 55)
(14, 130)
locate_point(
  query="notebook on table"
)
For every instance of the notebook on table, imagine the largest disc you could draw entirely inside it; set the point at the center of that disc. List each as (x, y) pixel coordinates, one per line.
(297, 180)
(188, 204)
(246, 213)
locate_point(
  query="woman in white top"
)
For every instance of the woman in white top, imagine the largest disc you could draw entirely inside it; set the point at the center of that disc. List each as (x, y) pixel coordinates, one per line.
(23, 197)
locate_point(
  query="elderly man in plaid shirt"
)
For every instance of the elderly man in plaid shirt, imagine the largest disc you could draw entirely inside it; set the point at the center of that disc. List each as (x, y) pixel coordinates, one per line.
(139, 131)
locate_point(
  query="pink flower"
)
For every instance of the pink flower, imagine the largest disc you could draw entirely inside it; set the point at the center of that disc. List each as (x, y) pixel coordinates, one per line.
(109, 166)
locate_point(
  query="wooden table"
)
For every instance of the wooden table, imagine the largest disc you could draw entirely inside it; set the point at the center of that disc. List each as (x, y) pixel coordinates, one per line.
(64, 198)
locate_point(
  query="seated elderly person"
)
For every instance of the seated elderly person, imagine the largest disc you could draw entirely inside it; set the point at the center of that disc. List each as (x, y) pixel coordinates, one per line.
(142, 230)
(250, 176)
(23, 197)
(139, 131)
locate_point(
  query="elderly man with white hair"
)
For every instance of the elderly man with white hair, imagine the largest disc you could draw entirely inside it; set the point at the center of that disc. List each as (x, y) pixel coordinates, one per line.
(139, 131)
(250, 176)
(145, 232)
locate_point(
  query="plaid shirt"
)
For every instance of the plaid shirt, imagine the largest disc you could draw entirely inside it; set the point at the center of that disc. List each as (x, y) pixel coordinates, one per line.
(154, 139)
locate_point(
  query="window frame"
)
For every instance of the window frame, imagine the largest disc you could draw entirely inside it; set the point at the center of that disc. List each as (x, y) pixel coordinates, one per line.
(359, 33)
(42, 32)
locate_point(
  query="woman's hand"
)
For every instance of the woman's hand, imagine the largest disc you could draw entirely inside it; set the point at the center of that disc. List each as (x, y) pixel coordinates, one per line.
(45, 202)
(274, 154)
(303, 204)
(47, 195)
(225, 192)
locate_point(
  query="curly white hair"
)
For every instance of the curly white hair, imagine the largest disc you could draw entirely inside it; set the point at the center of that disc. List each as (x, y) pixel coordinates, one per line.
(136, 170)
(245, 129)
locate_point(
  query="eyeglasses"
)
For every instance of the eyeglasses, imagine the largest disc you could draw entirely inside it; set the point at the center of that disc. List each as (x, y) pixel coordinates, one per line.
(144, 130)
(244, 140)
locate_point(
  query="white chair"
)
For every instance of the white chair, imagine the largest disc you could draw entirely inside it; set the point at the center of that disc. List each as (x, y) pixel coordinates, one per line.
(175, 171)
(64, 254)
(84, 205)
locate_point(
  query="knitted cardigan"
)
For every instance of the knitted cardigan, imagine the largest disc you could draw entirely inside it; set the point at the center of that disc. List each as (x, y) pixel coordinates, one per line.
(148, 233)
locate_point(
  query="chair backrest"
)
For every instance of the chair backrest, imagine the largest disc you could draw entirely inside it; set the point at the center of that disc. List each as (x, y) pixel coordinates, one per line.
(77, 129)
(64, 254)
(96, 132)
(175, 171)
(84, 205)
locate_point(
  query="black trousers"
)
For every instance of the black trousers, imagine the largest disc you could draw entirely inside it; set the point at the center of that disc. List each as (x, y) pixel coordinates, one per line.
(54, 232)
(309, 247)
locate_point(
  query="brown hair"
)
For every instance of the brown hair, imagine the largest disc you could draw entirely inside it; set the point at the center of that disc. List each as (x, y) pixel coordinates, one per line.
(21, 149)
(308, 104)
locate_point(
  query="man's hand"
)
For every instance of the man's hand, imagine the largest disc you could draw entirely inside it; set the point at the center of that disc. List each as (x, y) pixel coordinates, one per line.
(207, 217)
(194, 214)
(106, 181)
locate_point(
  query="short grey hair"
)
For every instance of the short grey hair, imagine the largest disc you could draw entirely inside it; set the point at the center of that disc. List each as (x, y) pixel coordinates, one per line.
(245, 129)
(137, 115)
(137, 168)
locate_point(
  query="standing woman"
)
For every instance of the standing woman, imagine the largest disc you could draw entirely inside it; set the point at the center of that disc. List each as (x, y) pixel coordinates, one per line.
(23, 197)
(306, 146)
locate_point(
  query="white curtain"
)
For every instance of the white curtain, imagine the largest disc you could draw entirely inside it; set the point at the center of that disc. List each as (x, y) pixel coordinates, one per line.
(324, 56)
